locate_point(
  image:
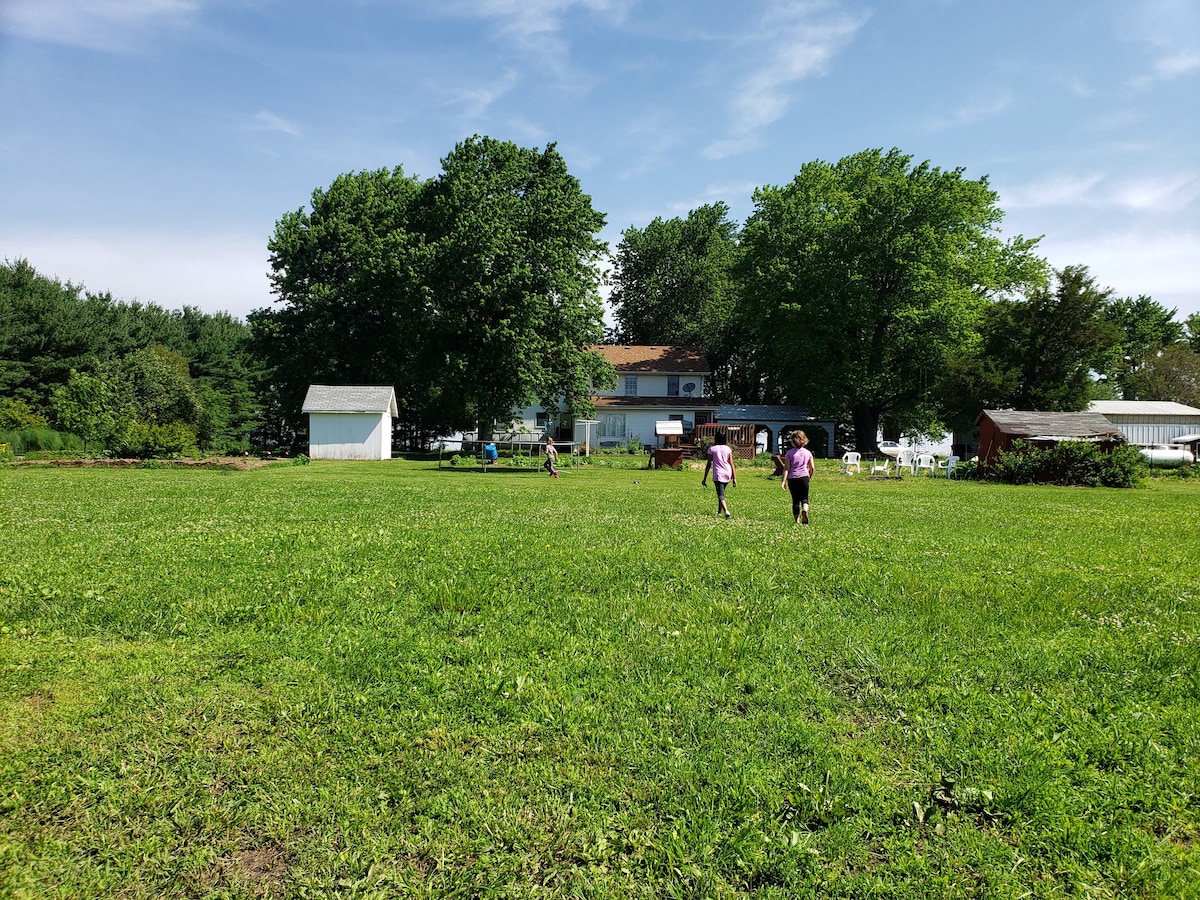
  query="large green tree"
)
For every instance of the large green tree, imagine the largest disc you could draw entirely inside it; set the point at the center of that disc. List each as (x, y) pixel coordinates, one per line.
(472, 293)
(1039, 352)
(514, 274)
(1142, 324)
(1166, 373)
(674, 283)
(866, 275)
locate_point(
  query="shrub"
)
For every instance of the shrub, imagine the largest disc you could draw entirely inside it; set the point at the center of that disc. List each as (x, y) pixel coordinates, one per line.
(1070, 463)
(968, 468)
(172, 439)
(16, 415)
(41, 438)
(1122, 467)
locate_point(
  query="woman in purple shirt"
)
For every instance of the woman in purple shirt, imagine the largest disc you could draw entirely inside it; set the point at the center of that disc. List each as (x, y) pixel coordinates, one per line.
(720, 461)
(796, 474)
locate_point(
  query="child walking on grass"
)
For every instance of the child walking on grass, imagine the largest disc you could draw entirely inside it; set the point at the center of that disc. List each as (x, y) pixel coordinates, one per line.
(796, 474)
(551, 457)
(720, 462)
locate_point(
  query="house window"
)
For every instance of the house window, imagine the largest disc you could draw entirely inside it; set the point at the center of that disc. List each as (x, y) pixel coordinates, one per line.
(672, 385)
(612, 426)
(543, 420)
(630, 385)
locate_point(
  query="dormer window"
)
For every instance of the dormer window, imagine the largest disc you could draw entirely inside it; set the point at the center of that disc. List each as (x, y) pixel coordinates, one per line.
(630, 385)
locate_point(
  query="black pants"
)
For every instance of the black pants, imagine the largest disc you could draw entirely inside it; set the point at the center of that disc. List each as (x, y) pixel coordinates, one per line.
(798, 487)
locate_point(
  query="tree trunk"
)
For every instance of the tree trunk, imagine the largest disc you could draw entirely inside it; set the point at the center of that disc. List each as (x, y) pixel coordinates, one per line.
(866, 427)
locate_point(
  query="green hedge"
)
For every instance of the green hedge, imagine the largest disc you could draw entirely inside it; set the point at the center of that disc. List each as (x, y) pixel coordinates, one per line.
(1070, 463)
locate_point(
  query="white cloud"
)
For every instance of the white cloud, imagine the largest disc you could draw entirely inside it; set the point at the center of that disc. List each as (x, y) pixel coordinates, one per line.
(1177, 64)
(477, 99)
(212, 272)
(534, 26)
(1165, 264)
(798, 46)
(1157, 193)
(268, 121)
(109, 25)
(979, 109)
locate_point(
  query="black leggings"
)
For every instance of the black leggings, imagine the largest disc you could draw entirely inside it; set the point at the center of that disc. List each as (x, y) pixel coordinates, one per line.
(799, 490)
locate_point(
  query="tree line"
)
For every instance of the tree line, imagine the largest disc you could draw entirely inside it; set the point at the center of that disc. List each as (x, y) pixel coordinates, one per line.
(873, 290)
(878, 291)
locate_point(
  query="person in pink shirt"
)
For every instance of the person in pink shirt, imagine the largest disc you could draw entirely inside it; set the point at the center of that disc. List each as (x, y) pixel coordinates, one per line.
(720, 462)
(796, 475)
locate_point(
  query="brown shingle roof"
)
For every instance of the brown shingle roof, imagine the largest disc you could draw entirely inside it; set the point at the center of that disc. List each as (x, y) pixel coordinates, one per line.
(647, 358)
(1026, 424)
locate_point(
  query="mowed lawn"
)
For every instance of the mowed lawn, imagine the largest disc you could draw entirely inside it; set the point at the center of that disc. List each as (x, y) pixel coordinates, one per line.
(390, 680)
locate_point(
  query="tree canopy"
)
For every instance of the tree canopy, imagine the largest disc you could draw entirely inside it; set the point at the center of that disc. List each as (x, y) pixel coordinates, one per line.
(873, 289)
(51, 331)
(866, 275)
(473, 293)
(674, 283)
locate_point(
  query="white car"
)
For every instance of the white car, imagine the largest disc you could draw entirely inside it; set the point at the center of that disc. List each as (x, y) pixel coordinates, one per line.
(889, 448)
(1167, 456)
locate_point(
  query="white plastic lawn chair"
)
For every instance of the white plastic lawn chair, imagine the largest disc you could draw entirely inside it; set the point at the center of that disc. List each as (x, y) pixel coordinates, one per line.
(851, 460)
(905, 459)
(881, 467)
(926, 461)
(948, 466)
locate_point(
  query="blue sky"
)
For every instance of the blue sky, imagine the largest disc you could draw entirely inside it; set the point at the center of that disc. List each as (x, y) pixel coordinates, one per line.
(148, 147)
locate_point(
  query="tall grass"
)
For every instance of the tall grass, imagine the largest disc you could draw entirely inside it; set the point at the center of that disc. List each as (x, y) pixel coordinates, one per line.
(377, 680)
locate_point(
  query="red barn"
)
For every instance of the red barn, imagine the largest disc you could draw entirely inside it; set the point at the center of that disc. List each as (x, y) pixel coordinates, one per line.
(998, 428)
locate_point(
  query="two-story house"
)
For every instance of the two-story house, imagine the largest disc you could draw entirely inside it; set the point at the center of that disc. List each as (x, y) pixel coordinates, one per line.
(654, 383)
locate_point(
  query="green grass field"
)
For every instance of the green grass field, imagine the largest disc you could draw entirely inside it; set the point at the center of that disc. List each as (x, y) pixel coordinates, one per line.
(390, 680)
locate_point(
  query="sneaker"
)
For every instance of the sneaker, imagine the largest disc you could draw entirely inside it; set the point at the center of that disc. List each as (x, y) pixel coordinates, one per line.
(727, 515)
(803, 518)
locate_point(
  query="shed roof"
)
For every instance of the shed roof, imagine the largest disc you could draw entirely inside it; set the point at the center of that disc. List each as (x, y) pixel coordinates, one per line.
(350, 398)
(648, 358)
(1142, 408)
(1059, 425)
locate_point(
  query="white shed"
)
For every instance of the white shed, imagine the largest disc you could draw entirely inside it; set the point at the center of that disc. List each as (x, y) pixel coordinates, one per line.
(350, 421)
(1147, 422)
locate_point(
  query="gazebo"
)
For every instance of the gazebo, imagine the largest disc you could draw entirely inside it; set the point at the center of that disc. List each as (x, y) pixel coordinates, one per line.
(775, 420)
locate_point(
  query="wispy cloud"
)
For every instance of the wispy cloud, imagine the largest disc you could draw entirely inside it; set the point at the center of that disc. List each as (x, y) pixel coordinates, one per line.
(475, 100)
(978, 109)
(268, 121)
(108, 25)
(1176, 64)
(1158, 262)
(803, 39)
(535, 26)
(1155, 193)
(1169, 29)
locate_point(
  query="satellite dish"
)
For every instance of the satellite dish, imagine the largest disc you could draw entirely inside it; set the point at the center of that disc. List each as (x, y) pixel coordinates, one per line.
(689, 387)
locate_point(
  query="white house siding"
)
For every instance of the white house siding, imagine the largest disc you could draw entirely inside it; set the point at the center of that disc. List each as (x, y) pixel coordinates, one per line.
(350, 436)
(653, 384)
